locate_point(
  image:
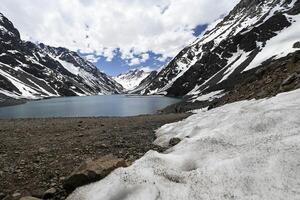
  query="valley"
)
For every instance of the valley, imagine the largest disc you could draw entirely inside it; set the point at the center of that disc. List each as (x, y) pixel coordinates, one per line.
(219, 120)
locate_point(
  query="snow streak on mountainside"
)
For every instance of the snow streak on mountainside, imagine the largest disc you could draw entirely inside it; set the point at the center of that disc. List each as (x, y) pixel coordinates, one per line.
(221, 156)
(33, 71)
(254, 32)
(132, 79)
(141, 88)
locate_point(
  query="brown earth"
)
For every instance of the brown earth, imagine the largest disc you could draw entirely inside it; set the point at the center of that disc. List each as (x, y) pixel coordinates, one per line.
(38, 154)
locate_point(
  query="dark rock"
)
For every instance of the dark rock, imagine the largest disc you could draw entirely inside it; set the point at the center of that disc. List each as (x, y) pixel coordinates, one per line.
(50, 193)
(91, 171)
(2, 195)
(296, 45)
(289, 80)
(174, 141)
(38, 193)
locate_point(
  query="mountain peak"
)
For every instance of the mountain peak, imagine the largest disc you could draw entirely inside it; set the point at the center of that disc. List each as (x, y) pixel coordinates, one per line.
(131, 79)
(32, 71)
(7, 29)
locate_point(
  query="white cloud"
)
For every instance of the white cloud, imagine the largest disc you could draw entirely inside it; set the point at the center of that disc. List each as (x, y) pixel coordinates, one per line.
(92, 58)
(146, 69)
(134, 27)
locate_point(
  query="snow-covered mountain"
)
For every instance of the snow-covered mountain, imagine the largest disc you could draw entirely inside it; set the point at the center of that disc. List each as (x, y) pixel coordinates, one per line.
(142, 87)
(29, 70)
(132, 79)
(253, 35)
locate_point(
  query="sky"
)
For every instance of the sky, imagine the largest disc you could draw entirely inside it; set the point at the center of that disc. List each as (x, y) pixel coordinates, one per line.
(116, 35)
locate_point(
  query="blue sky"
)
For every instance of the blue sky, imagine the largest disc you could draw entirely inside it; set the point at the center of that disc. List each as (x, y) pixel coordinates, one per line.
(117, 35)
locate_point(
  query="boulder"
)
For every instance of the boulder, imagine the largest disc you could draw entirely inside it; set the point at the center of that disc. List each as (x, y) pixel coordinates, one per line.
(296, 45)
(91, 171)
(174, 141)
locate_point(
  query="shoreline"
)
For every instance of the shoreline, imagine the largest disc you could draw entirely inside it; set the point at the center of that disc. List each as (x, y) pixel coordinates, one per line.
(39, 153)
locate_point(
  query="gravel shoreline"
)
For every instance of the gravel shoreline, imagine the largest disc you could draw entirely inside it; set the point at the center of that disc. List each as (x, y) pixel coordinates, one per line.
(38, 154)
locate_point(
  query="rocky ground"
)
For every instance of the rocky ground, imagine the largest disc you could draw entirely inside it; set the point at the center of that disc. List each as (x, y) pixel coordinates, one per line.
(37, 155)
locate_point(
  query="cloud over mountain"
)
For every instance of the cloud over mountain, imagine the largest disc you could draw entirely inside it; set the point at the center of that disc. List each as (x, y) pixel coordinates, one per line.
(103, 28)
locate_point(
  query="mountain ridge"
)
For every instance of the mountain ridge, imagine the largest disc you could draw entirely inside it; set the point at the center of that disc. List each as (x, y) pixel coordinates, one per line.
(228, 49)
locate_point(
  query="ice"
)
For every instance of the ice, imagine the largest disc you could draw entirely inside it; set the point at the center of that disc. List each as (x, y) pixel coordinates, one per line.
(245, 150)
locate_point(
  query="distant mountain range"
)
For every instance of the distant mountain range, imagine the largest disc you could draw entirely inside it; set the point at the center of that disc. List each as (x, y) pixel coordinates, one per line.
(32, 71)
(132, 79)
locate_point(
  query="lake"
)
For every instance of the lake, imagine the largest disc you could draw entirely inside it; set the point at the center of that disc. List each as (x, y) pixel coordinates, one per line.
(90, 106)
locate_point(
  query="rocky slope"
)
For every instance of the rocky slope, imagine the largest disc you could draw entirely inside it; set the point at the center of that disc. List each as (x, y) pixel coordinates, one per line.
(253, 33)
(32, 71)
(132, 79)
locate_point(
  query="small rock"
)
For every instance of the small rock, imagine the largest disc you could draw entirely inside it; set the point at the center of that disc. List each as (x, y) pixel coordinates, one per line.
(2, 195)
(296, 45)
(16, 194)
(42, 150)
(29, 198)
(102, 124)
(104, 146)
(49, 193)
(81, 135)
(92, 170)
(174, 141)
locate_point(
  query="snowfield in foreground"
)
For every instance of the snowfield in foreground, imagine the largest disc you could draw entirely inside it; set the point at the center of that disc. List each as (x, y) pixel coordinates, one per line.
(245, 150)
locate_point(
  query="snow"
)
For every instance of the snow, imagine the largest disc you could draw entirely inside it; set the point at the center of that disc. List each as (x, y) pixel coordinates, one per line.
(9, 94)
(26, 90)
(69, 66)
(246, 150)
(131, 80)
(210, 96)
(280, 45)
(234, 62)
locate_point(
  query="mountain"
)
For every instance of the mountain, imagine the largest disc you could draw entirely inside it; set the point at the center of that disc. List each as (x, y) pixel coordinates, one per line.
(140, 89)
(132, 79)
(32, 71)
(256, 36)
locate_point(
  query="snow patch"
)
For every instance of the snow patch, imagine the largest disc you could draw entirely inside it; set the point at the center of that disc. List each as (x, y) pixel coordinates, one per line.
(245, 150)
(280, 45)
